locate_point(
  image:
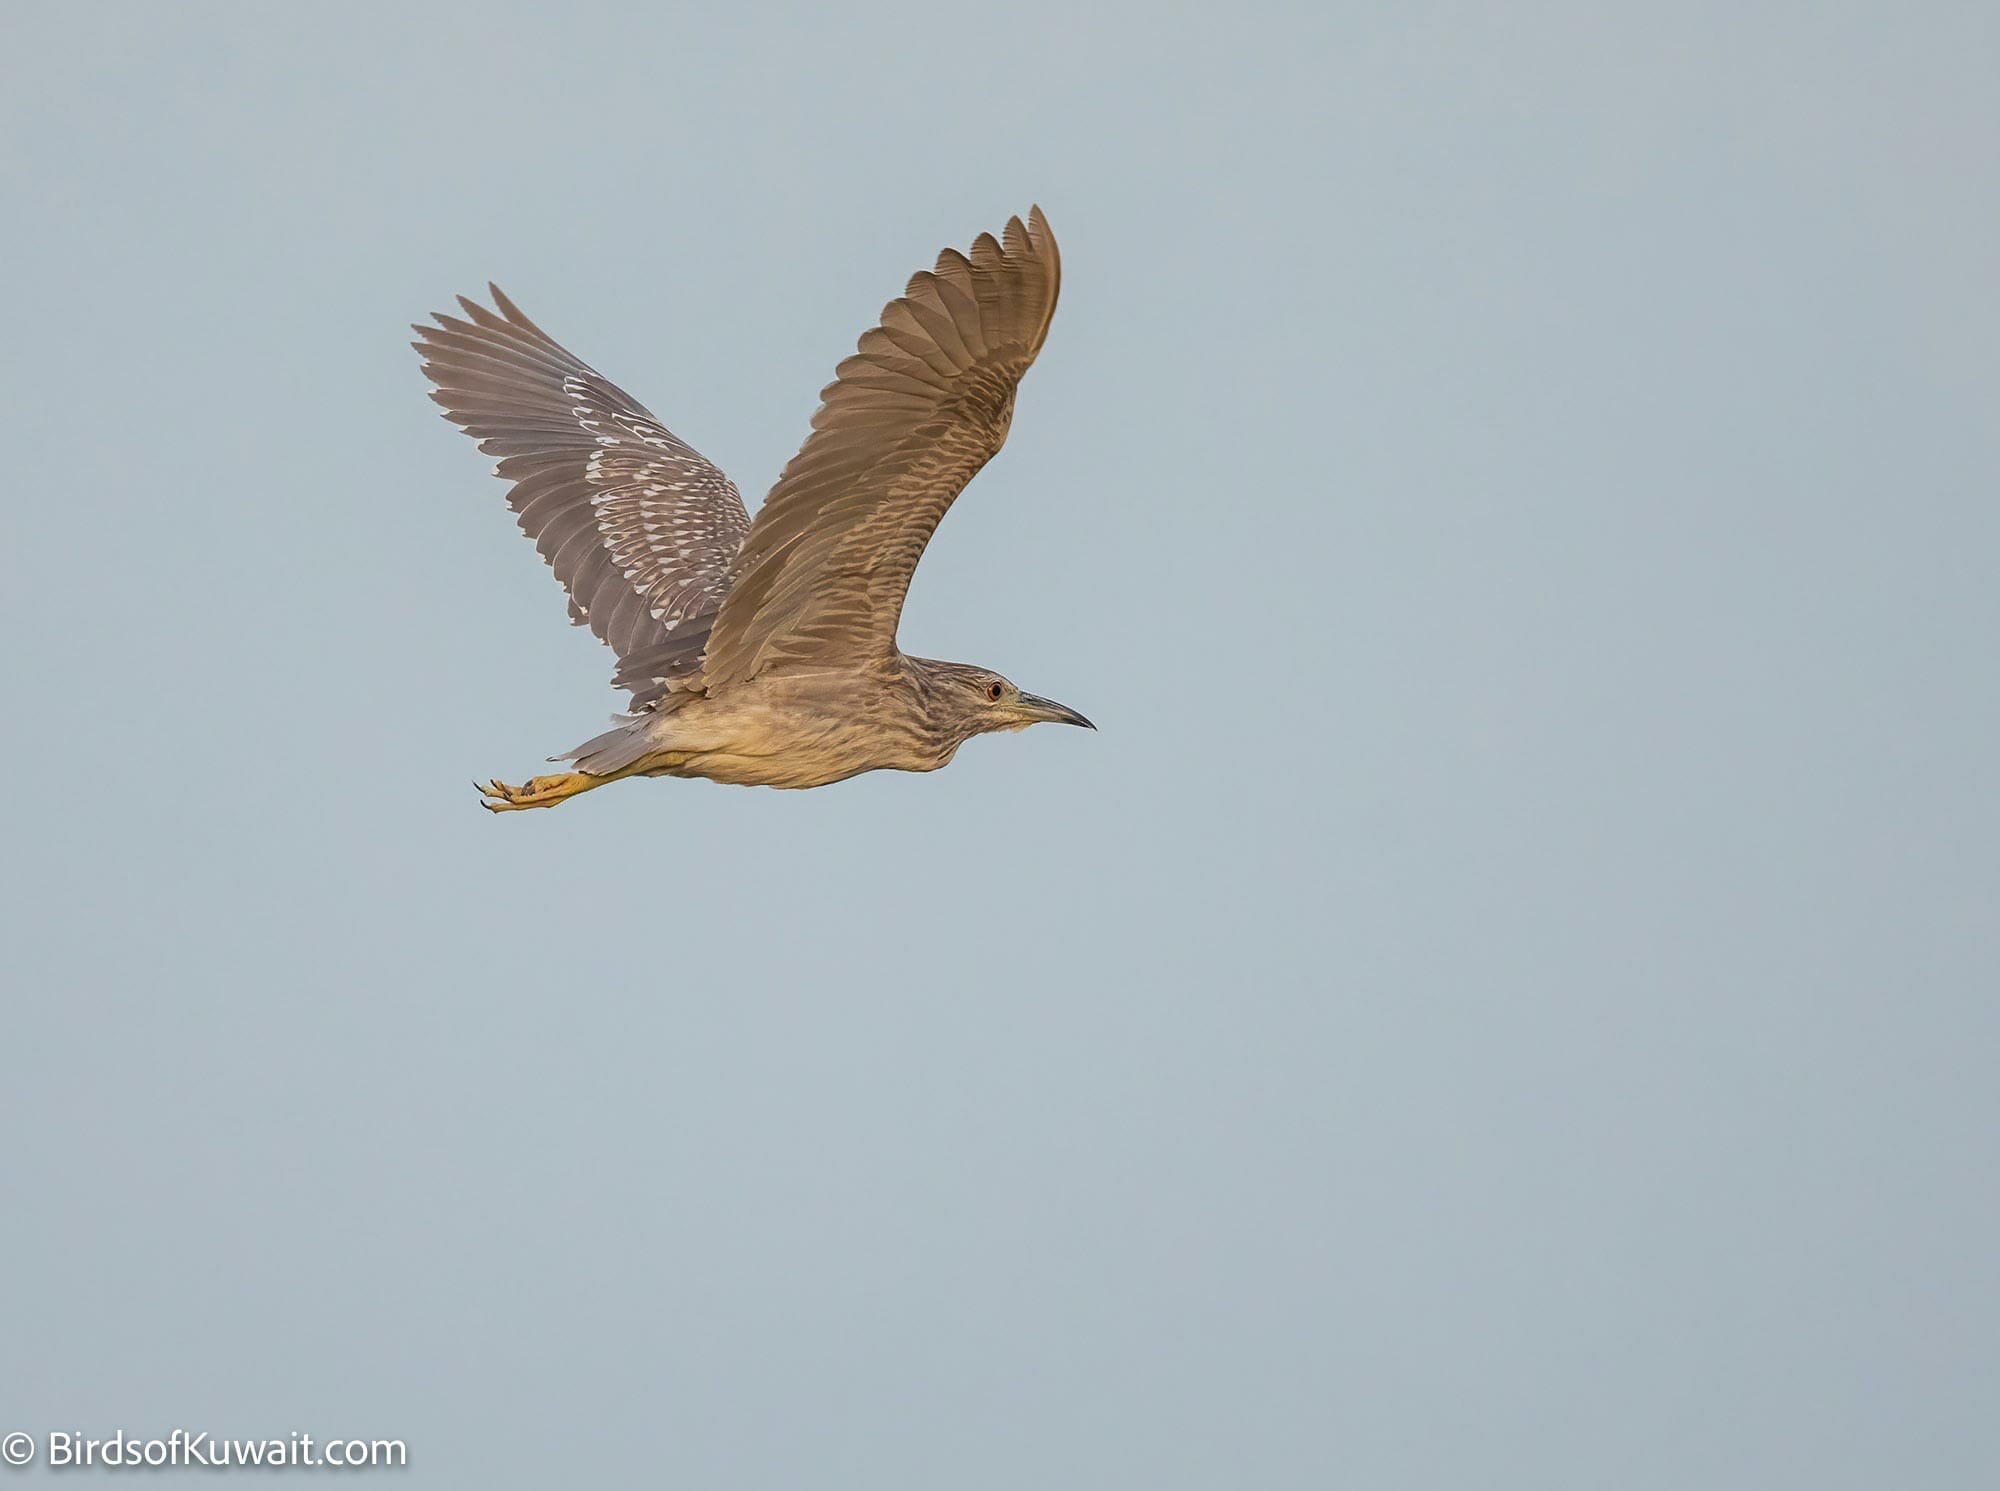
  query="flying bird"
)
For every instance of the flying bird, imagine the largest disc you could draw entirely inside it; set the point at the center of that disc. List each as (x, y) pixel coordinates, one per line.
(764, 653)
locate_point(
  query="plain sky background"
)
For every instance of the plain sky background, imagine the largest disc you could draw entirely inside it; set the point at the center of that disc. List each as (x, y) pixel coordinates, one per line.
(1508, 998)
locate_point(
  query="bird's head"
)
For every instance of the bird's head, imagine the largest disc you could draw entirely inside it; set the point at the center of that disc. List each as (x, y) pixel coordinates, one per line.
(969, 701)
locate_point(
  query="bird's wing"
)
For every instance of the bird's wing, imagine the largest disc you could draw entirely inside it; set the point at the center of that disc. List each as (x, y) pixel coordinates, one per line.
(640, 529)
(911, 416)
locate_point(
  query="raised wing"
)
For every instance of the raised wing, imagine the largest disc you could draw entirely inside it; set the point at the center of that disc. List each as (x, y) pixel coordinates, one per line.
(639, 528)
(922, 405)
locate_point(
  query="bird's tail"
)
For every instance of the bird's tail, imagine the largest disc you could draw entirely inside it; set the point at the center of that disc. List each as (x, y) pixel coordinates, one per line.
(614, 750)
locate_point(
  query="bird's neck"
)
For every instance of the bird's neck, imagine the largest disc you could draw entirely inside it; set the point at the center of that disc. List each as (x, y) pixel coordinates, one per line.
(927, 699)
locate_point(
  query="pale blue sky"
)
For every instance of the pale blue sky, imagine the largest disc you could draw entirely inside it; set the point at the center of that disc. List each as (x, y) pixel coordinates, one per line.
(1506, 999)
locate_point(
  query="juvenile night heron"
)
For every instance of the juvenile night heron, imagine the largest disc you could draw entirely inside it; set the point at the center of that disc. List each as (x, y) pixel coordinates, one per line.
(764, 653)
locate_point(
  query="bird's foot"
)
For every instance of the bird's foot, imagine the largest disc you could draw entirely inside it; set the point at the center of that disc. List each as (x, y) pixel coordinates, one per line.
(536, 792)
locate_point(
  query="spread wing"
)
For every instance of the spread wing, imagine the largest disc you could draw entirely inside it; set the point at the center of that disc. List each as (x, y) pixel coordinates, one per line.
(922, 405)
(639, 528)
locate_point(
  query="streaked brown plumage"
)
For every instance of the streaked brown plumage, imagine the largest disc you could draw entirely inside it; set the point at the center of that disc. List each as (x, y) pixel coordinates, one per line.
(765, 653)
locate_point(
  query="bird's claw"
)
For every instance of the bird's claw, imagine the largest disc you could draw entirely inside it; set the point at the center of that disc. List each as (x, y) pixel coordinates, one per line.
(497, 797)
(537, 792)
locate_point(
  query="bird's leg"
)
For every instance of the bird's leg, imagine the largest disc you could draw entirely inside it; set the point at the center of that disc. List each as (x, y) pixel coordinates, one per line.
(538, 792)
(546, 792)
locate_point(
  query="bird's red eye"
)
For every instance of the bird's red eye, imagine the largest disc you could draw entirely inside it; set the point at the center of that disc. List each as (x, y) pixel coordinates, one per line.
(993, 692)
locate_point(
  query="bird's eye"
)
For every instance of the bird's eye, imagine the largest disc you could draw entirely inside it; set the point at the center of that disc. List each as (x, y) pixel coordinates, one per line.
(993, 692)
